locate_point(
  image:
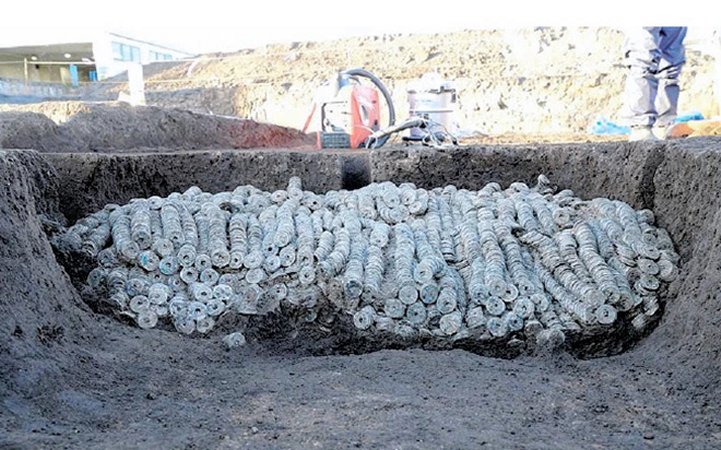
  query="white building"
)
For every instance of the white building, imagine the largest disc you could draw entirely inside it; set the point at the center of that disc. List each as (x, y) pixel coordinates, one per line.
(112, 52)
(97, 57)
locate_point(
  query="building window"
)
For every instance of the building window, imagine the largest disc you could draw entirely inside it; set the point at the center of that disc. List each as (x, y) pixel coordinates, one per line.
(157, 56)
(125, 52)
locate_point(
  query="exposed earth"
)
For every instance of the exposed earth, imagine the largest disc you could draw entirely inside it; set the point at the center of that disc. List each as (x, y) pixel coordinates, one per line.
(73, 377)
(540, 81)
(90, 127)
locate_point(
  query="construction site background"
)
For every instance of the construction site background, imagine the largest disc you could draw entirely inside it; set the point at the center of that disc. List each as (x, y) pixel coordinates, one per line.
(541, 81)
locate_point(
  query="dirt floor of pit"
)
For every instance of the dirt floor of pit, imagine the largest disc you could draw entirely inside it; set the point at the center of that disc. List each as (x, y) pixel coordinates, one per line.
(72, 378)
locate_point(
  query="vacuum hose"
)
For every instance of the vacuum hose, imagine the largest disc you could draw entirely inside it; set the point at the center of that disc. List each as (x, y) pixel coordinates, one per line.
(387, 95)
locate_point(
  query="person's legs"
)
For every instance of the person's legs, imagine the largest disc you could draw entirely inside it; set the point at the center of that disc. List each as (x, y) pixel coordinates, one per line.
(672, 59)
(642, 57)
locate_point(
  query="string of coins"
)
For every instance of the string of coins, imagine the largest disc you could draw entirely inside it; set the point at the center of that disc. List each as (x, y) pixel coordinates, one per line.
(452, 263)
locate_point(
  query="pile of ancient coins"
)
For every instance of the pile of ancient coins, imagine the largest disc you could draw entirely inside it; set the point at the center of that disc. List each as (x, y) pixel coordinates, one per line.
(491, 264)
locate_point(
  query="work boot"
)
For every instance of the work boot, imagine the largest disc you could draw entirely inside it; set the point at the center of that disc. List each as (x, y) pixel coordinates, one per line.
(642, 134)
(661, 133)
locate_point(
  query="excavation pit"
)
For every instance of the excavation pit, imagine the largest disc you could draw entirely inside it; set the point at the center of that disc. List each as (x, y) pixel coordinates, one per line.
(74, 377)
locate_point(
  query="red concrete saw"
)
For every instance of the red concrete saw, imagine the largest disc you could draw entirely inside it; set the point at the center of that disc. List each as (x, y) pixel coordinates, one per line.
(350, 111)
(350, 115)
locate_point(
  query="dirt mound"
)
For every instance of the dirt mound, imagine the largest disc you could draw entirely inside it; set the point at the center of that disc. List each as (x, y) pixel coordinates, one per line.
(83, 127)
(26, 129)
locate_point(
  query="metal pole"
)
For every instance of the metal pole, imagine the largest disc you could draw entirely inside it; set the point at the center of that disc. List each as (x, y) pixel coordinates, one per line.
(25, 64)
(716, 42)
